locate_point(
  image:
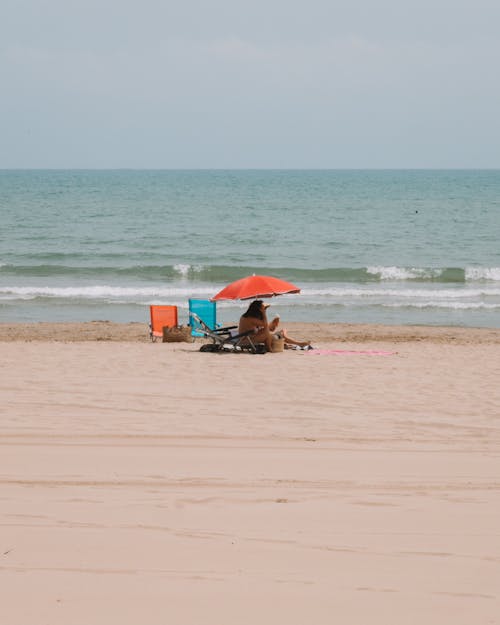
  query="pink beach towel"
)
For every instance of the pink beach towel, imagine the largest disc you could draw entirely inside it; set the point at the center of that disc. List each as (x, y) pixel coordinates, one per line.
(349, 352)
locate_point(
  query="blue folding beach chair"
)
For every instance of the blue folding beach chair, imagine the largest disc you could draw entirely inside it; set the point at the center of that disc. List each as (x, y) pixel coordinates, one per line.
(205, 310)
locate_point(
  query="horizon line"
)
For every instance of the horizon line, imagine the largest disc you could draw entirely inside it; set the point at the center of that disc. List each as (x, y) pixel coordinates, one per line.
(249, 168)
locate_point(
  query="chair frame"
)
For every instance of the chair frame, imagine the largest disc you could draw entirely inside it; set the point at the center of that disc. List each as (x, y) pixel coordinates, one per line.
(223, 340)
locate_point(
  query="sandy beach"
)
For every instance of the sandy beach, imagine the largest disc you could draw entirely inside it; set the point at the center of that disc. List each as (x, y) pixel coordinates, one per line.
(151, 483)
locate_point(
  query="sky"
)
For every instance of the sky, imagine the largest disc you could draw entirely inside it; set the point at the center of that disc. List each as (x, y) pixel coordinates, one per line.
(260, 84)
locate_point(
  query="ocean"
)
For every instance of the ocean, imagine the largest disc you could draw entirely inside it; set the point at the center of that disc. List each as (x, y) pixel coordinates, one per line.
(364, 246)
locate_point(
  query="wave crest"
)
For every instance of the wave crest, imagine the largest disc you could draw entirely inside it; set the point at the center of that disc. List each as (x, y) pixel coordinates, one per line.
(482, 273)
(223, 274)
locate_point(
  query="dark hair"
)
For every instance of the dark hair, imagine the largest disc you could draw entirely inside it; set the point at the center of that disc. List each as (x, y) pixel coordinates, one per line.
(254, 310)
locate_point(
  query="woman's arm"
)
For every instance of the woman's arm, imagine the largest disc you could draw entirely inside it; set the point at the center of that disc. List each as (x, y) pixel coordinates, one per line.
(265, 323)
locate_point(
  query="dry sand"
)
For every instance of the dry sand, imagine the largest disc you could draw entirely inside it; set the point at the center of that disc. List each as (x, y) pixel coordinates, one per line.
(147, 484)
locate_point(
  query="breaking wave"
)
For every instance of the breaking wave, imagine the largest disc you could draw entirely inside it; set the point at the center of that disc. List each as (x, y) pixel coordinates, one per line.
(227, 273)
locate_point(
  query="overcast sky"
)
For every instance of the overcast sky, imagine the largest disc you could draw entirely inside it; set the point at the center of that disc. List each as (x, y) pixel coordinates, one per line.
(261, 83)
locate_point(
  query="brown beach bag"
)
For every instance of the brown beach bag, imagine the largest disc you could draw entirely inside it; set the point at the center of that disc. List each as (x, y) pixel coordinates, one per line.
(177, 334)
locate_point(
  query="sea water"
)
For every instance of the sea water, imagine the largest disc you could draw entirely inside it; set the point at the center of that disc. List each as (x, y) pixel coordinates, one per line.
(390, 247)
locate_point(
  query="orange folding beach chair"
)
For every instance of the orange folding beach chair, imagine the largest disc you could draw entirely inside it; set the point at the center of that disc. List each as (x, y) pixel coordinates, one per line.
(161, 316)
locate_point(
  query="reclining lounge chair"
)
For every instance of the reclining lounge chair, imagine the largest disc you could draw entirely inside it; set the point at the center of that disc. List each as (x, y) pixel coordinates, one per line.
(227, 339)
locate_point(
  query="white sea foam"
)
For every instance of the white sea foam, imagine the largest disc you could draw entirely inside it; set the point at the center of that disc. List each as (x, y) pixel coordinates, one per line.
(404, 273)
(482, 273)
(472, 274)
(360, 292)
(319, 293)
(184, 269)
(448, 305)
(106, 292)
(6, 297)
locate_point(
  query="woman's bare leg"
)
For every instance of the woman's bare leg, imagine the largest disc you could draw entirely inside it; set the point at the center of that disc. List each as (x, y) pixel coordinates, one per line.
(291, 341)
(264, 336)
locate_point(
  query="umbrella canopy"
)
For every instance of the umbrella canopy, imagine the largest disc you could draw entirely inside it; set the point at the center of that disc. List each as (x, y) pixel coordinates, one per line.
(256, 286)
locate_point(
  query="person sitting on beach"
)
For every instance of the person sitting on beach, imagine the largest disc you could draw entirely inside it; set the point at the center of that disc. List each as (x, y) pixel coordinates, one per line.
(255, 318)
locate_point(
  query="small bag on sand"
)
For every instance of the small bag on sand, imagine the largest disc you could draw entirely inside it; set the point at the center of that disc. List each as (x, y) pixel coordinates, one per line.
(278, 344)
(177, 334)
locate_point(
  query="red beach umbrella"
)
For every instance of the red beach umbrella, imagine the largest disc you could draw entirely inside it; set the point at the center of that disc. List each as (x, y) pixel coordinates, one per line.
(254, 287)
